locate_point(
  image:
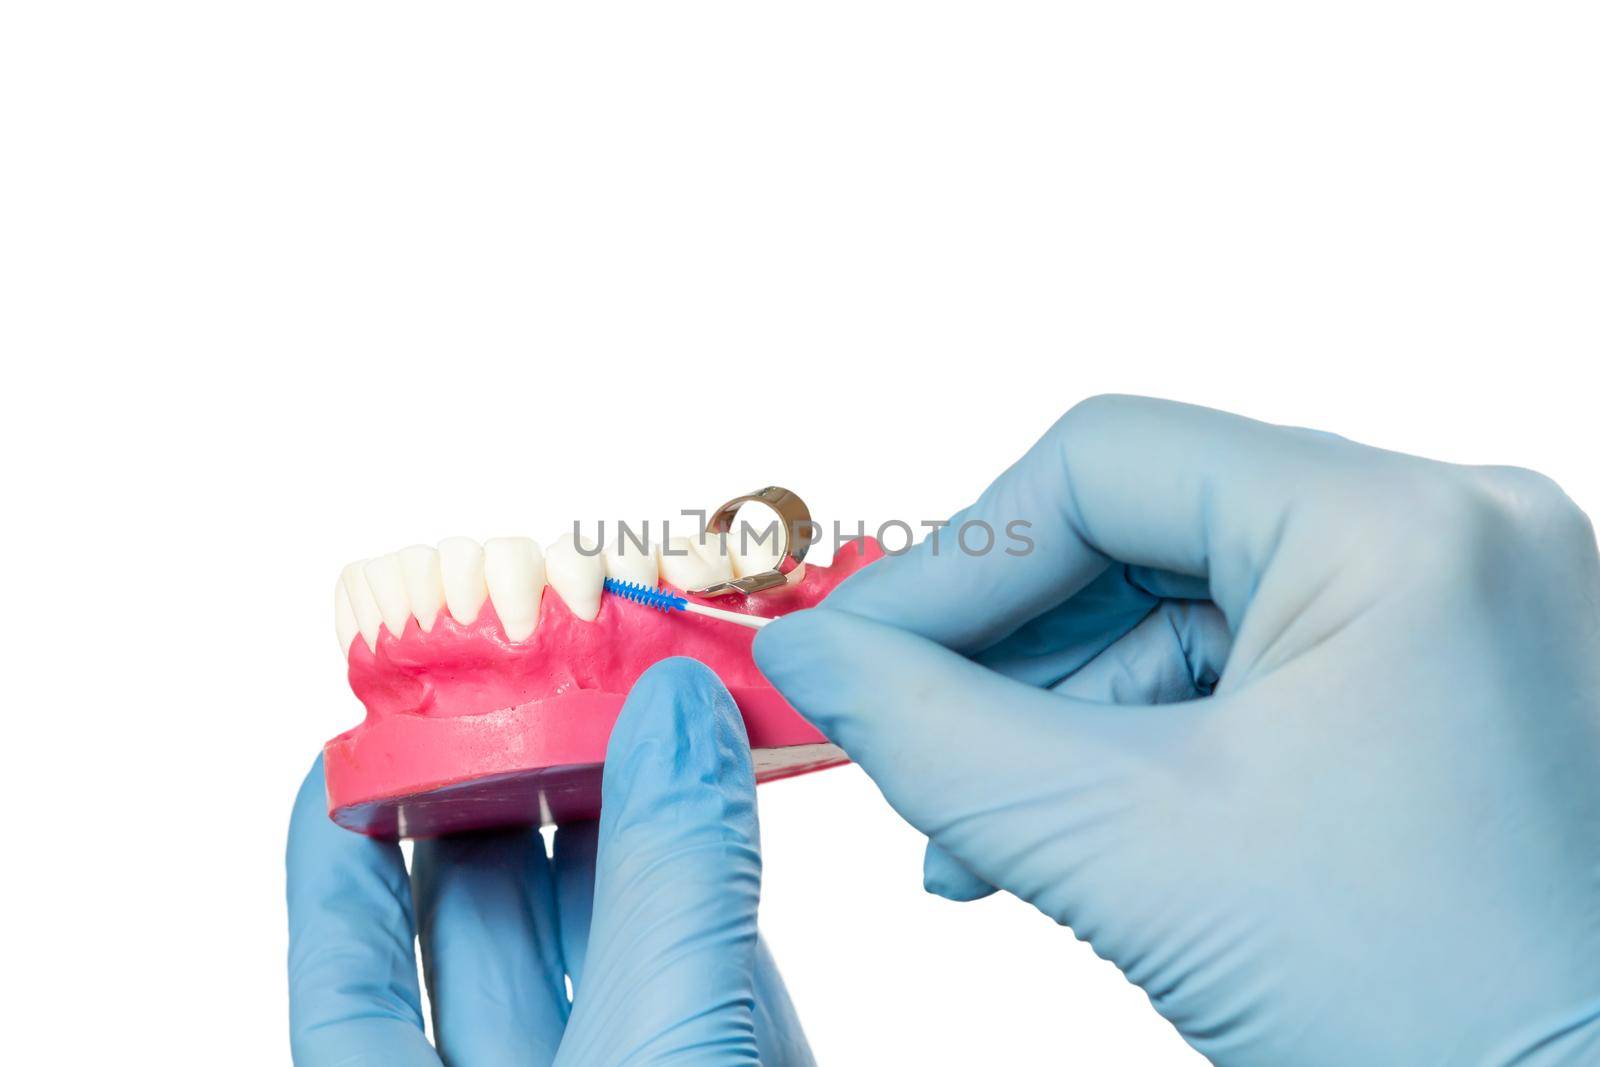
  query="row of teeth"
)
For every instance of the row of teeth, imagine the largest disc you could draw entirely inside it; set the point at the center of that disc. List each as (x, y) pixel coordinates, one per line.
(511, 572)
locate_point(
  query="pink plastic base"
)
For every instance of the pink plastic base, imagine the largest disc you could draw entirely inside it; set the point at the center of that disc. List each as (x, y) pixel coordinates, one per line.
(466, 730)
(538, 763)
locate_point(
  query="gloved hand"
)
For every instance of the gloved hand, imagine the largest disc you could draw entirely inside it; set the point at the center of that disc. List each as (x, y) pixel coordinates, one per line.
(1304, 736)
(666, 966)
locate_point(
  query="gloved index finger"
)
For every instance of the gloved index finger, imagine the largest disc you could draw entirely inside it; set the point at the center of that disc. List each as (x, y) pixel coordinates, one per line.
(1138, 481)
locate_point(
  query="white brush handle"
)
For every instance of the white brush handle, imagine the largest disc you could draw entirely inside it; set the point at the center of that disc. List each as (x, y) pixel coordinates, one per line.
(754, 622)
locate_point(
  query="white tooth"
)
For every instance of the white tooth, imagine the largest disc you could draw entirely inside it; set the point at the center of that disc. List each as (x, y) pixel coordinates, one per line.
(419, 564)
(758, 558)
(368, 617)
(461, 574)
(629, 563)
(753, 541)
(751, 556)
(576, 576)
(713, 548)
(389, 590)
(344, 617)
(514, 569)
(696, 563)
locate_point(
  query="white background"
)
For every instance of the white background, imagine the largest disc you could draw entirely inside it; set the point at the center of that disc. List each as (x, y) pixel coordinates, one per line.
(290, 284)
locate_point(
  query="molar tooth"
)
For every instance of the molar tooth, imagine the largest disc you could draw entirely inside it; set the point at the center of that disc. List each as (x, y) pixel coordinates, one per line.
(694, 563)
(389, 590)
(419, 565)
(368, 617)
(750, 555)
(344, 617)
(576, 576)
(461, 574)
(628, 563)
(754, 539)
(514, 570)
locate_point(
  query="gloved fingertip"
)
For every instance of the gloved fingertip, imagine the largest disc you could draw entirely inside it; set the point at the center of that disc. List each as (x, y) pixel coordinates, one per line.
(779, 640)
(965, 893)
(786, 651)
(945, 876)
(679, 732)
(669, 698)
(678, 679)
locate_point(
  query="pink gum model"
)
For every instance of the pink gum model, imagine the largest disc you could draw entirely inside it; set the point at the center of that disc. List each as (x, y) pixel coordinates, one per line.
(467, 730)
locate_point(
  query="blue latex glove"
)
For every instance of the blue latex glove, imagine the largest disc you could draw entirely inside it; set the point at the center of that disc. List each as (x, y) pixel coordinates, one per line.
(1302, 735)
(653, 915)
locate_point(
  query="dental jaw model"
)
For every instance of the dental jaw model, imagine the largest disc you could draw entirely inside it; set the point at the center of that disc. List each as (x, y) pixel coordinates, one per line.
(492, 674)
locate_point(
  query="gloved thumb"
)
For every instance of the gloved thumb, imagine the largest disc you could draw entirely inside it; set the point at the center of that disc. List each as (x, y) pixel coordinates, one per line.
(983, 765)
(668, 972)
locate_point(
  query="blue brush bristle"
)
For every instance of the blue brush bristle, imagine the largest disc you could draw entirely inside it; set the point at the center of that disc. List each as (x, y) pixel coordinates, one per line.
(644, 594)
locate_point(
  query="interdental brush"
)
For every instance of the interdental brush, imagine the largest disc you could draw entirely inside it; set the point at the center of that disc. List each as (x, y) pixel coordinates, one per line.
(665, 601)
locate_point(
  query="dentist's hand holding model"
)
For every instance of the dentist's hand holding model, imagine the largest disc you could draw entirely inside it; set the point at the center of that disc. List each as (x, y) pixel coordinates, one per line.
(1304, 736)
(651, 914)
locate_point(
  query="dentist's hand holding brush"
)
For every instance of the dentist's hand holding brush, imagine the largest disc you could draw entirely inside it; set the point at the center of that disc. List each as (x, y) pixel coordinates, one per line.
(1302, 735)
